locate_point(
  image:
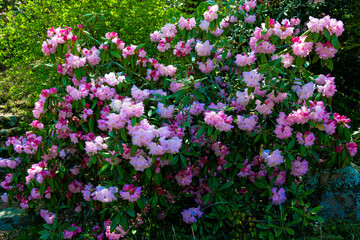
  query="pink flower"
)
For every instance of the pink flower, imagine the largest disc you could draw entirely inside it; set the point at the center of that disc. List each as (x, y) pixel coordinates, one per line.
(111, 35)
(206, 67)
(174, 86)
(298, 167)
(243, 60)
(274, 159)
(211, 14)
(165, 112)
(105, 195)
(252, 78)
(287, 60)
(196, 108)
(247, 124)
(219, 120)
(325, 50)
(190, 215)
(184, 177)
(300, 47)
(129, 50)
(278, 196)
(130, 193)
(4, 197)
(283, 132)
(169, 30)
(352, 148)
(187, 24)
(35, 193)
(203, 49)
(67, 234)
(140, 163)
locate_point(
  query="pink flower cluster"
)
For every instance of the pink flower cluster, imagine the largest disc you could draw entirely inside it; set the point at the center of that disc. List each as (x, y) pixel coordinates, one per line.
(182, 49)
(247, 124)
(130, 193)
(92, 147)
(191, 215)
(39, 105)
(103, 194)
(278, 196)
(352, 148)
(117, 234)
(187, 24)
(326, 85)
(70, 234)
(300, 47)
(243, 60)
(212, 13)
(28, 144)
(325, 50)
(184, 177)
(47, 216)
(4, 162)
(307, 139)
(332, 25)
(252, 78)
(56, 36)
(203, 49)
(299, 168)
(219, 120)
(273, 159)
(206, 67)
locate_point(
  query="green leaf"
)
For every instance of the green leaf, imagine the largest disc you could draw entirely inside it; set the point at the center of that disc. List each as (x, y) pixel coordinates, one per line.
(206, 198)
(327, 34)
(140, 46)
(133, 121)
(290, 156)
(130, 212)
(334, 41)
(291, 144)
(123, 222)
(199, 95)
(290, 231)
(123, 134)
(114, 222)
(94, 104)
(134, 148)
(45, 236)
(42, 188)
(226, 185)
(271, 236)
(315, 210)
(91, 124)
(315, 58)
(48, 227)
(106, 166)
(154, 200)
(148, 173)
(200, 132)
(71, 229)
(183, 161)
(330, 64)
(316, 156)
(78, 74)
(299, 62)
(115, 54)
(120, 148)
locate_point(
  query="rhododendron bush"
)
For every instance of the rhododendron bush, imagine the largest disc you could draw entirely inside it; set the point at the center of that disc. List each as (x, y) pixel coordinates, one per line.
(213, 135)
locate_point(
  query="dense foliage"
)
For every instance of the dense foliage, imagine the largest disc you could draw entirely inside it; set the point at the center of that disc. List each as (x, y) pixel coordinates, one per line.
(23, 25)
(209, 128)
